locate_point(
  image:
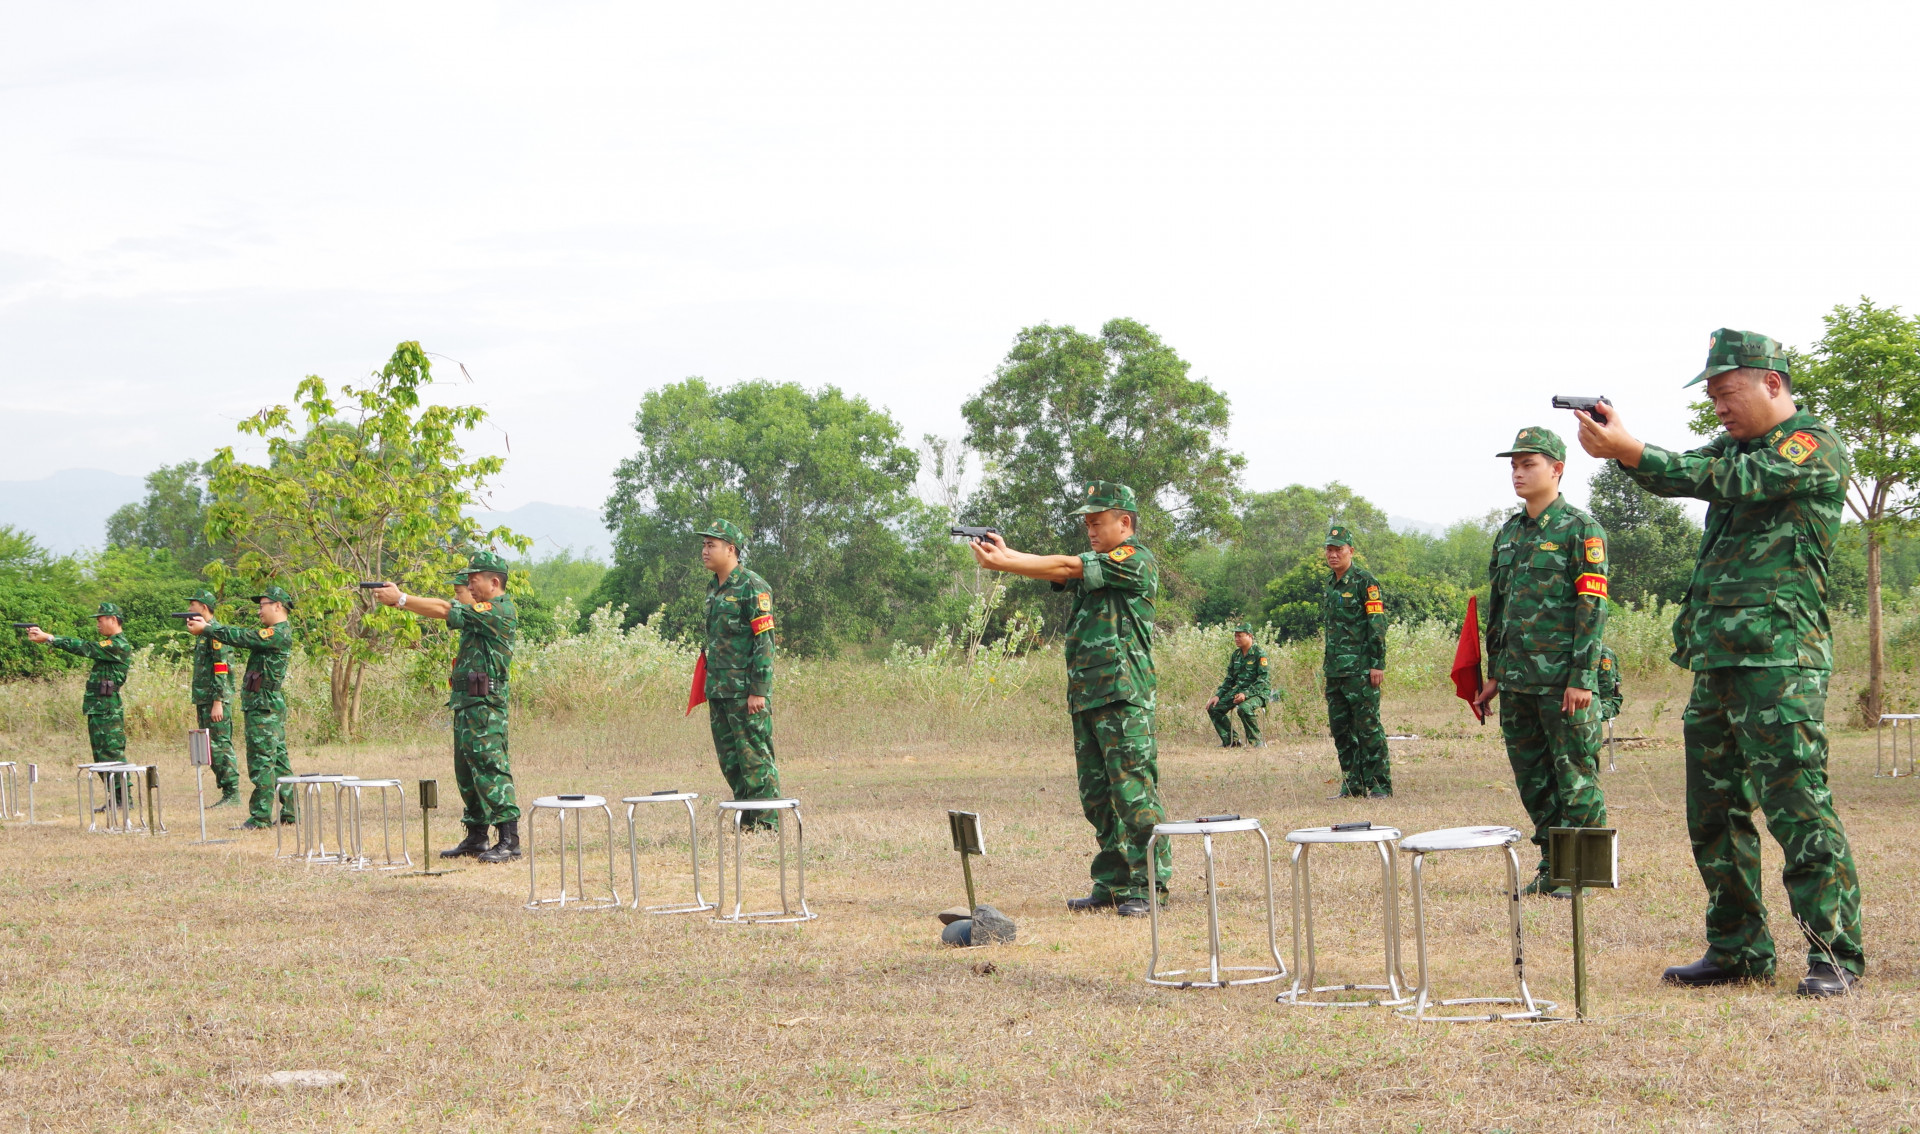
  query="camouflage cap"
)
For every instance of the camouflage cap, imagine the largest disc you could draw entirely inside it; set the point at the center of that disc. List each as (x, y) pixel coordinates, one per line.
(204, 597)
(1732, 350)
(459, 578)
(1537, 439)
(108, 610)
(1339, 535)
(487, 561)
(1243, 628)
(724, 529)
(1105, 496)
(275, 593)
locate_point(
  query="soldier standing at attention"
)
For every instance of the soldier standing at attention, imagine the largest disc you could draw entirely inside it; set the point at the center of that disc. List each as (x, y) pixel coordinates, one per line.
(1754, 632)
(111, 657)
(269, 650)
(1245, 689)
(1546, 609)
(212, 693)
(482, 765)
(1111, 686)
(1355, 617)
(739, 689)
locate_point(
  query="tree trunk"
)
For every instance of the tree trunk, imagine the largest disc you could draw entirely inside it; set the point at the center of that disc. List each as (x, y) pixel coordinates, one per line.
(1876, 649)
(339, 691)
(353, 711)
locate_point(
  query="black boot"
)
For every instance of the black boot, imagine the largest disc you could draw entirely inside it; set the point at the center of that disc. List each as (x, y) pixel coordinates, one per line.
(1095, 901)
(1827, 979)
(508, 848)
(1704, 973)
(475, 844)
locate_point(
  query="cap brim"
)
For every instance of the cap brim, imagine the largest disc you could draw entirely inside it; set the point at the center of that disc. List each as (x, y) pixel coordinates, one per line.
(1523, 452)
(1708, 373)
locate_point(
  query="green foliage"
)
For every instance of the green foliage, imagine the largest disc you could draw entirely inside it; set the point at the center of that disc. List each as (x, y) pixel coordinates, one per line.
(1864, 380)
(968, 662)
(1292, 601)
(561, 576)
(817, 480)
(172, 518)
(1652, 541)
(1275, 530)
(378, 495)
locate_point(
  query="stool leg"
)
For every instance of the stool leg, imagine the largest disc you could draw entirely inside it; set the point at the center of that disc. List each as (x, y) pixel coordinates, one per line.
(1425, 990)
(1213, 910)
(784, 907)
(1273, 943)
(720, 859)
(533, 853)
(1513, 914)
(633, 857)
(800, 853)
(1153, 919)
(693, 841)
(1303, 884)
(613, 887)
(738, 853)
(1396, 974)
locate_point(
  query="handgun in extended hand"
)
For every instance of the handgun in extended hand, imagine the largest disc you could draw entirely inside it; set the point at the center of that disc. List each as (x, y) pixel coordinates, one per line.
(1590, 405)
(965, 532)
(373, 586)
(185, 614)
(26, 625)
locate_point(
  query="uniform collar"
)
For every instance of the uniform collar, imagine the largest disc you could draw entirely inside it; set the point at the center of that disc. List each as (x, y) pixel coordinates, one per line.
(1548, 514)
(733, 576)
(1800, 420)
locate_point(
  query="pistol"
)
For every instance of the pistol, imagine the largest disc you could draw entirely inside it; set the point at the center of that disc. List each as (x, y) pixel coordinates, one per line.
(25, 625)
(965, 532)
(1590, 405)
(365, 586)
(185, 614)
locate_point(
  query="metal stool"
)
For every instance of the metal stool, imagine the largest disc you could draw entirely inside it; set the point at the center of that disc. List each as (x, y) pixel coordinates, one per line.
(693, 840)
(1397, 988)
(1609, 743)
(309, 827)
(785, 913)
(1469, 838)
(122, 784)
(1207, 828)
(1910, 721)
(354, 850)
(562, 806)
(9, 790)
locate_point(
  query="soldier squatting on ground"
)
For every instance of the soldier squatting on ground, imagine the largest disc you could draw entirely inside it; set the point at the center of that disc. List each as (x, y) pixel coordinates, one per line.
(738, 661)
(1246, 688)
(1754, 631)
(1354, 615)
(1110, 690)
(269, 649)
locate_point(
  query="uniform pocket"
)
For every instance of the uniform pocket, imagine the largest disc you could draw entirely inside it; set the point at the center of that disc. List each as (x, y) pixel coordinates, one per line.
(1740, 618)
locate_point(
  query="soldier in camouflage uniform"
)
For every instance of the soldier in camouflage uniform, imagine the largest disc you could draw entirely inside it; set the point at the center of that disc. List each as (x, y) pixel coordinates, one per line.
(1246, 688)
(1754, 632)
(269, 648)
(1606, 694)
(1111, 687)
(739, 657)
(1545, 614)
(482, 764)
(111, 656)
(1354, 615)
(212, 693)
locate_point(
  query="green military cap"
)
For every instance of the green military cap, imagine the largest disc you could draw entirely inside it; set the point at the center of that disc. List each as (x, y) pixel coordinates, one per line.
(275, 593)
(1339, 535)
(204, 597)
(487, 561)
(1243, 628)
(1732, 350)
(724, 529)
(108, 610)
(1106, 495)
(1537, 439)
(461, 576)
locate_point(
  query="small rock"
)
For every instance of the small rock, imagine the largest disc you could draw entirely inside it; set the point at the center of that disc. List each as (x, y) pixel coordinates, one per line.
(991, 927)
(304, 1079)
(958, 933)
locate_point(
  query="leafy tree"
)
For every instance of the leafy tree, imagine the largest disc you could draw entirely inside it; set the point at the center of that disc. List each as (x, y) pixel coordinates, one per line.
(37, 586)
(1292, 603)
(376, 492)
(173, 517)
(1065, 408)
(1652, 540)
(1274, 531)
(817, 480)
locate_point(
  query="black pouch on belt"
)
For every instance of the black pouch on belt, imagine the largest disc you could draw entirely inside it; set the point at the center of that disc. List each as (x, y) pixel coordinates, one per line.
(479, 685)
(254, 681)
(105, 688)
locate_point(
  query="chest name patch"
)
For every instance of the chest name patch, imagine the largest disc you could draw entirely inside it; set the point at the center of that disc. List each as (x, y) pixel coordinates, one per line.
(1798, 447)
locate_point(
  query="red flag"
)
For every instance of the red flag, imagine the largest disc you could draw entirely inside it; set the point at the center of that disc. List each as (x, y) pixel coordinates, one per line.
(1466, 660)
(698, 694)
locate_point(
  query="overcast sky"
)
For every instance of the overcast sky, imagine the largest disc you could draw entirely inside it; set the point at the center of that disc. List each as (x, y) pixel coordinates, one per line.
(1388, 232)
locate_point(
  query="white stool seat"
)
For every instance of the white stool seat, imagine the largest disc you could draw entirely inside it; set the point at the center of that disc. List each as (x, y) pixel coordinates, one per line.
(118, 784)
(1356, 835)
(662, 797)
(760, 805)
(1207, 827)
(565, 802)
(1460, 838)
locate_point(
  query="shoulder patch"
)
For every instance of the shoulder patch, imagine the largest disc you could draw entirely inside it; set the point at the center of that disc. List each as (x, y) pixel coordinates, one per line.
(106, 643)
(483, 607)
(266, 631)
(1606, 663)
(1122, 553)
(1373, 593)
(1596, 549)
(764, 600)
(1798, 447)
(1263, 661)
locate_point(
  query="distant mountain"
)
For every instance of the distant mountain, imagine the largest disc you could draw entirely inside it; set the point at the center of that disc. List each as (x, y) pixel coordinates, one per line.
(556, 528)
(1403, 524)
(67, 512)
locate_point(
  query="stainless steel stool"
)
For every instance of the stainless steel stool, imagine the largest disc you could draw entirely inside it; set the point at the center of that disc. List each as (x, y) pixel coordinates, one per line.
(1397, 988)
(1207, 828)
(1906, 722)
(124, 787)
(1469, 838)
(785, 914)
(633, 802)
(354, 852)
(562, 806)
(9, 790)
(309, 821)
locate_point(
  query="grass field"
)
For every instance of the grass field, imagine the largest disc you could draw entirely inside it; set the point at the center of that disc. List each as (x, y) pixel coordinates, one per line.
(149, 983)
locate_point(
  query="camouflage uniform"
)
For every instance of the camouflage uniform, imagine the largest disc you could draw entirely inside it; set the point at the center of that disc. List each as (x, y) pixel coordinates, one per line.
(1247, 672)
(739, 652)
(1606, 693)
(1111, 687)
(481, 764)
(1545, 614)
(269, 651)
(1354, 616)
(111, 657)
(213, 683)
(1754, 630)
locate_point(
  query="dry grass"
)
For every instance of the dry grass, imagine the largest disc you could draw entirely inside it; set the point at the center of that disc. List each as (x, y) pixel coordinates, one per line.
(147, 983)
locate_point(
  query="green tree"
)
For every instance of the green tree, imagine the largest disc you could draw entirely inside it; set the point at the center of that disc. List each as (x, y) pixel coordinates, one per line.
(1065, 408)
(376, 492)
(1652, 541)
(172, 517)
(37, 586)
(818, 481)
(1274, 531)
